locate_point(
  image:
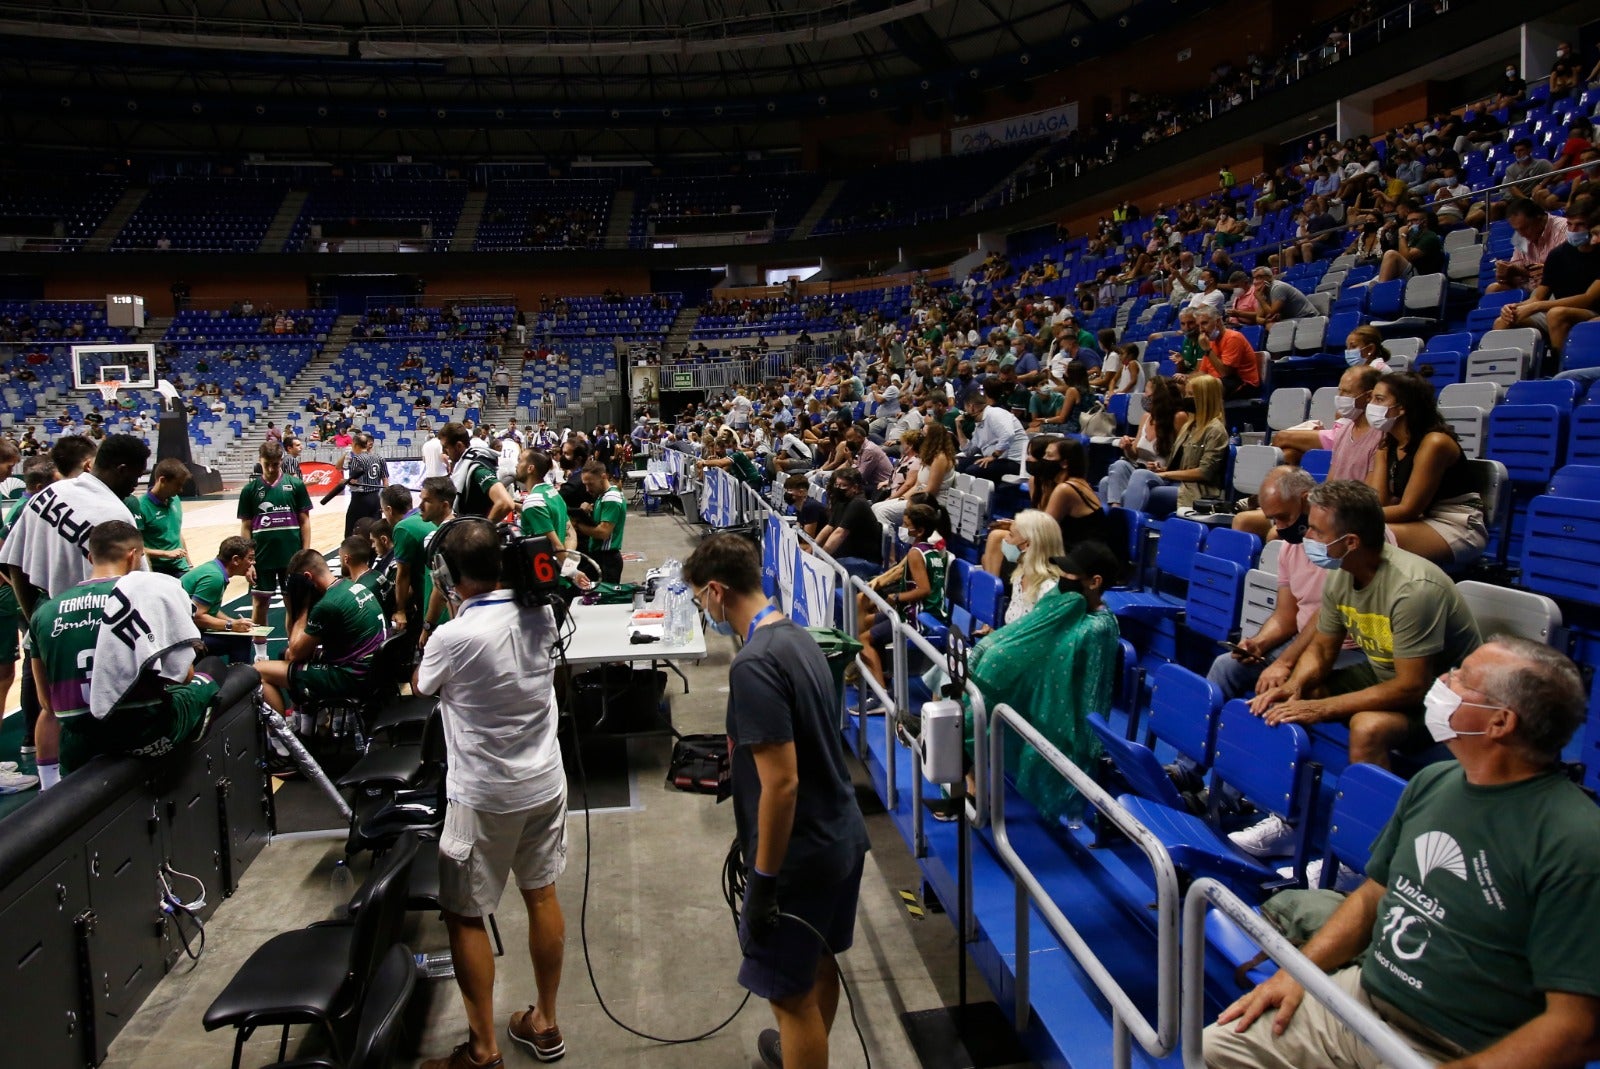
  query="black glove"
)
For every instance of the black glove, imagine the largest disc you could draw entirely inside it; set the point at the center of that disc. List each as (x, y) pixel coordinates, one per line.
(758, 920)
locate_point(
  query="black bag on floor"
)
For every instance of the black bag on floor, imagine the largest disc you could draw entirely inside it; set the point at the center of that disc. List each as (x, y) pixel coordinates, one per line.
(700, 765)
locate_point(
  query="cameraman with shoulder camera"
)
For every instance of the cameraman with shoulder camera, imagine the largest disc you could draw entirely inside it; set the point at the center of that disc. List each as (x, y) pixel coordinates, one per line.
(506, 788)
(335, 629)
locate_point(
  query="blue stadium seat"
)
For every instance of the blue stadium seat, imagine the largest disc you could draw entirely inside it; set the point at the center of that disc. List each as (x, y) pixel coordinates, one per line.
(1183, 715)
(1176, 549)
(1563, 393)
(1316, 463)
(1216, 593)
(985, 597)
(1560, 547)
(1583, 347)
(1240, 547)
(1529, 439)
(1583, 439)
(1267, 765)
(1364, 800)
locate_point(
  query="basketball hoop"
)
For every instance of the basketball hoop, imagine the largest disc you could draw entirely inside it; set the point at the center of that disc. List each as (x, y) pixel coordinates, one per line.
(108, 389)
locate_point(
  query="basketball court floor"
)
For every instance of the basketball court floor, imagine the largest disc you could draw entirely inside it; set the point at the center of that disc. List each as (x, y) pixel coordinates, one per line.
(661, 941)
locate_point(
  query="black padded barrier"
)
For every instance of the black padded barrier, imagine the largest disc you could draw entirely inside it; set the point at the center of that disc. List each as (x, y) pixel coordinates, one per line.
(83, 940)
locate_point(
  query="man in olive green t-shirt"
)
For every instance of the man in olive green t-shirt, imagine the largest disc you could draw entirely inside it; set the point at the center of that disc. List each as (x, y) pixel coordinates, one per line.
(543, 510)
(1477, 915)
(1403, 613)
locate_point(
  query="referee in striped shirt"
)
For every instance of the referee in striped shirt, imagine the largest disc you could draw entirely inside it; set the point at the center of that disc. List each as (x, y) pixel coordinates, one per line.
(365, 474)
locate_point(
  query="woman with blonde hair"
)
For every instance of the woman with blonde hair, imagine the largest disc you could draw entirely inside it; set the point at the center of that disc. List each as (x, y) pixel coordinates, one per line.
(1032, 540)
(1197, 463)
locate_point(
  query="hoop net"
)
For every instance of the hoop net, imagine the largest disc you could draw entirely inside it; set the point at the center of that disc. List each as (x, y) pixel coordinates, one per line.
(108, 389)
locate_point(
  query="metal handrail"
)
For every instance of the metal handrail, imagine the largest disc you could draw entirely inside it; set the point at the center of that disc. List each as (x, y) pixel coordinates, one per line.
(1390, 1048)
(1127, 1019)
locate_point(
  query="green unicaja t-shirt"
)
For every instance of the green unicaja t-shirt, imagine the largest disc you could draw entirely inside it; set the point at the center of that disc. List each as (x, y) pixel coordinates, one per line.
(63, 630)
(411, 549)
(476, 502)
(611, 508)
(161, 524)
(205, 585)
(274, 511)
(544, 512)
(1410, 609)
(348, 622)
(1492, 895)
(8, 596)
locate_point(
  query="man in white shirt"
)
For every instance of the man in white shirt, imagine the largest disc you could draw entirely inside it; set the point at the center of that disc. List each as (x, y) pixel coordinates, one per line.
(506, 790)
(1210, 295)
(433, 458)
(999, 444)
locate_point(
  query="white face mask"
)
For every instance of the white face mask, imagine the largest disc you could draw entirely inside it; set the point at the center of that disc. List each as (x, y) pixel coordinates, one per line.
(1344, 406)
(1439, 706)
(1378, 416)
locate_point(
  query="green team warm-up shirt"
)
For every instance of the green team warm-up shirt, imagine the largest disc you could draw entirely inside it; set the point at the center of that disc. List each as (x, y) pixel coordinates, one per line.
(543, 513)
(8, 596)
(613, 508)
(411, 549)
(63, 630)
(274, 511)
(161, 524)
(348, 622)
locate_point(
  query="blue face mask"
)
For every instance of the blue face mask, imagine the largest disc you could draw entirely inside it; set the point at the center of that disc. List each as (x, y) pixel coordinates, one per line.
(1353, 357)
(716, 627)
(1317, 554)
(1578, 238)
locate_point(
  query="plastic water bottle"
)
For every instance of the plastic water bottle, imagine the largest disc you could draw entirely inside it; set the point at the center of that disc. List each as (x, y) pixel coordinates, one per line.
(680, 610)
(341, 887)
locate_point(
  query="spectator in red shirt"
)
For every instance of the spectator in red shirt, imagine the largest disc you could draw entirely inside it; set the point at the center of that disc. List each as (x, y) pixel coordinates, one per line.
(1228, 356)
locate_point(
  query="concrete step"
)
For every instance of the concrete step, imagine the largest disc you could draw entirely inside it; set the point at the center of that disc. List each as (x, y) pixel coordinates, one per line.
(819, 207)
(283, 222)
(118, 217)
(467, 226)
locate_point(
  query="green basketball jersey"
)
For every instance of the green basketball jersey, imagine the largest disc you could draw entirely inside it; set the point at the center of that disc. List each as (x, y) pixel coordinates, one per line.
(274, 510)
(8, 596)
(64, 630)
(348, 622)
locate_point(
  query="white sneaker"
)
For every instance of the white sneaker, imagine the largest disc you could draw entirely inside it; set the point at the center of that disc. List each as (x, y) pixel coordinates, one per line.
(1347, 880)
(1269, 838)
(8, 766)
(260, 652)
(12, 782)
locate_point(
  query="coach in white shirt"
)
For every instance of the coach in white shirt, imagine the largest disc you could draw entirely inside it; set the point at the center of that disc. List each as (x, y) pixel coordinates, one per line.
(999, 444)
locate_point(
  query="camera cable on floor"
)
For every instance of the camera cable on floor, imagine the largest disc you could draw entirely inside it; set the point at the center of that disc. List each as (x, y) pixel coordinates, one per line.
(733, 884)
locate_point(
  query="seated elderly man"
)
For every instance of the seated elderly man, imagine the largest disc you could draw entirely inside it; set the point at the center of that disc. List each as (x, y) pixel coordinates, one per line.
(1476, 920)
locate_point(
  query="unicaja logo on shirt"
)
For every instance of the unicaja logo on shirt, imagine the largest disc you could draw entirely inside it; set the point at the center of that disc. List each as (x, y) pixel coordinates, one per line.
(1438, 850)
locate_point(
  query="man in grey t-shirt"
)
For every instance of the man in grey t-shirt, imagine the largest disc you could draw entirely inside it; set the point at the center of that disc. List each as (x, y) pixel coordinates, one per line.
(802, 834)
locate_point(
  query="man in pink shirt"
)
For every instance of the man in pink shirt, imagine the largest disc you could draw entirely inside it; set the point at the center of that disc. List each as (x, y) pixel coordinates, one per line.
(1266, 658)
(1538, 234)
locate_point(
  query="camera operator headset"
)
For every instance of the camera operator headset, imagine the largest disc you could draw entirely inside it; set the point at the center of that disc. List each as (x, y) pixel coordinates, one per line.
(530, 570)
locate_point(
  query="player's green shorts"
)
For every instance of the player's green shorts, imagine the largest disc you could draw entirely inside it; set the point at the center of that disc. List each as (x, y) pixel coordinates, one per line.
(269, 581)
(142, 729)
(173, 566)
(321, 682)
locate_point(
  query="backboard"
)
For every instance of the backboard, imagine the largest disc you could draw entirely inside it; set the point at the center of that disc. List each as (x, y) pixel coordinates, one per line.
(131, 366)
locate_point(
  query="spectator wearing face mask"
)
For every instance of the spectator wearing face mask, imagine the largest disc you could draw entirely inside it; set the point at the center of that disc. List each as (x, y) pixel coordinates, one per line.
(1568, 292)
(1430, 494)
(1536, 234)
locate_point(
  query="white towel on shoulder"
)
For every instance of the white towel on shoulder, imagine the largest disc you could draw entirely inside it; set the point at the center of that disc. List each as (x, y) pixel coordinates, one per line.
(148, 624)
